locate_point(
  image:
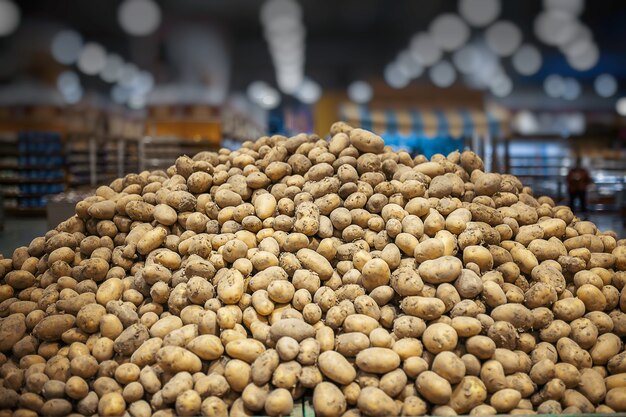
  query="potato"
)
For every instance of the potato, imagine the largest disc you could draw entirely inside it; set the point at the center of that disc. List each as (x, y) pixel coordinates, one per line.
(111, 404)
(374, 402)
(437, 271)
(177, 359)
(52, 327)
(469, 393)
(328, 400)
(615, 398)
(245, 349)
(439, 337)
(505, 400)
(278, 402)
(449, 366)
(433, 388)
(335, 367)
(377, 360)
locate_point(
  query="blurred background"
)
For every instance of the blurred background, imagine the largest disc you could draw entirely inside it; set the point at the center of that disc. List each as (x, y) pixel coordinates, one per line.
(92, 90)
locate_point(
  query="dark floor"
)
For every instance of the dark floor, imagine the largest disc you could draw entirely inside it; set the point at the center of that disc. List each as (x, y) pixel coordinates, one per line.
(20, 231)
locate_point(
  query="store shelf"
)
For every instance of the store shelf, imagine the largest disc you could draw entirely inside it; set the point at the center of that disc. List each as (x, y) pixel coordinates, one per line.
(31, 180)
(26, 211)
(25, 195)
(30, 167)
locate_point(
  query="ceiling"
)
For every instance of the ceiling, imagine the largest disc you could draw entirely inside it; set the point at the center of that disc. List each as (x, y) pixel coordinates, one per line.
(345, 40)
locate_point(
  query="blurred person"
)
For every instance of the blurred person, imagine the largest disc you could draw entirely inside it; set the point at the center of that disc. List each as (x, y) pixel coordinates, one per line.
(578, 180)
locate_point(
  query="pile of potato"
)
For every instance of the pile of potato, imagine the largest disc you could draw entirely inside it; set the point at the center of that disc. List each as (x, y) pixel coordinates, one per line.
(237, 283)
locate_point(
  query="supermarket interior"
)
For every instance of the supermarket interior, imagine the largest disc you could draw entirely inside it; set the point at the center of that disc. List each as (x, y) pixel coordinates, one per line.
(93, 90)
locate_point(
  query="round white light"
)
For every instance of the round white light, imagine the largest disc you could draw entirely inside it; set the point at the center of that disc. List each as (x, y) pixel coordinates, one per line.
(527, 60)
(9, 17)
(112, 68)
(73, 96)
(554, 85)
(571, 89)
(66, 46)
(586, 59)
(526, 123)
(605, 85)
(502, 87)
(503, 38)
(573, 7)
(467, 59)
(620, 106)
(581, 40)
(424, 49)
(68, 81)
(556, 28)
(479, 13)
(449, 32)
(408, 64)
(575, 123)
(255, 90)
(289, 81)
(360, 92)
(139, 17)
(92, 58)
(270, 99)
(309, 92)
(442, 74)
(394, 77)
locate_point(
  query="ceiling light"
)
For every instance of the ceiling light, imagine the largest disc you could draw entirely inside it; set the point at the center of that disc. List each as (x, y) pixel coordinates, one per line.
(526, 123)
(66, 46)
(479, 13)
(9, 17)
(395, 77)
(139, 17)
(449, 32)
(554, 85)
(573, 7)
(502, 87)
(571, 89)
(92, 58)
(620, 106)
(309, 92)
(112, 68)
(68, 81)
(605, 85)
(360, 92)
(424, 49)
(527, 60)
(503, 38)
(467, 59)
(442, 74)
(586, 59)
(408, 64)
(556, 28)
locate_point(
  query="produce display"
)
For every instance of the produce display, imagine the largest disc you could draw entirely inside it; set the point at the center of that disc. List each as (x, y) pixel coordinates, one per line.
(238, 282)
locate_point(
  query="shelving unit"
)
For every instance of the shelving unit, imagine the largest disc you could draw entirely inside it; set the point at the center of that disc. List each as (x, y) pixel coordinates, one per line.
(31, 168)
(544, 164)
